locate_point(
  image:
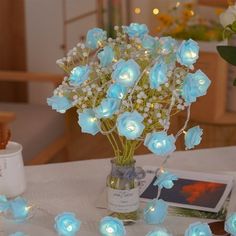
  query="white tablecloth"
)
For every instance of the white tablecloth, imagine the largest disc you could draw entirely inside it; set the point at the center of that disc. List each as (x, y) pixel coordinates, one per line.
(76, 186)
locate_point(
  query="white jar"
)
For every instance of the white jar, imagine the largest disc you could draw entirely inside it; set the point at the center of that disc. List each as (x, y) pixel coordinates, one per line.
(12, 174)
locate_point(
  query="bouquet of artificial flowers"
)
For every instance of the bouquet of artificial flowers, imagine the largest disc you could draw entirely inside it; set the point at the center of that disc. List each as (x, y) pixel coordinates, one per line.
(128, 87)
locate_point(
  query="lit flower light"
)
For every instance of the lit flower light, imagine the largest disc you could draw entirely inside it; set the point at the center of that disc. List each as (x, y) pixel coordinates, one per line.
(193, 137)
(230, 224)
(106, 56)
(95, 37)
(78, 75)
(167, 45)
(107, 108)
(88, 122)
(117, 91)
(155, 212)
(66, 224)
(110, 226)
(136, 30)
(158, 75)
(129, 124)
(194, 86)
(4, 204)
(60, 104)
(149, 43)
(19, 208)
(187, 53)
(159, 232)
(198, 229)
(126, 72)
(160, 143)
(165, 180)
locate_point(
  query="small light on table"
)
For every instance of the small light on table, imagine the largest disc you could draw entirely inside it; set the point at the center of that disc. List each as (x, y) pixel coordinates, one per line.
(19, 208)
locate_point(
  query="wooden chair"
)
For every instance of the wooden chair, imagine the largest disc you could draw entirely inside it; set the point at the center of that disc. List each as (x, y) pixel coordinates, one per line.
(40, 130)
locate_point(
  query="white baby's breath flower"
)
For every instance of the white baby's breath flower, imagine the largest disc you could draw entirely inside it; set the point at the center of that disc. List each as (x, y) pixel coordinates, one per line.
(139, 101)
(158, 115)
(90, 93)
(145, 115)
(167, 85)
(82, 46)
(84, 106)
(146, 109)
(149, 121)
(75, 97)
(159, 89)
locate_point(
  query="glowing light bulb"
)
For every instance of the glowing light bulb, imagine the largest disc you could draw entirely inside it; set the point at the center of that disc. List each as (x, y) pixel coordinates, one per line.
(110, 230)
(155, 11)
(69, 228)
(152, 209)
(177, 4)
(158, 144)
(125, 76)
(93, 119)
(137, 10)
(191, 54)
(201, 81)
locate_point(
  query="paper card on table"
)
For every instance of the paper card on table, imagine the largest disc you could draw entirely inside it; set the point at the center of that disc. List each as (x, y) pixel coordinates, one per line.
(193, 190)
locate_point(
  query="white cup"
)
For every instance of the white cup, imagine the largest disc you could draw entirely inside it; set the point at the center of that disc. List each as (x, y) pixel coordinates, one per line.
(12, 174)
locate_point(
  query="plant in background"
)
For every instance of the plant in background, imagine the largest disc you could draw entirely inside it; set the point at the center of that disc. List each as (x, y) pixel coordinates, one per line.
(228, 21)
(128, 88)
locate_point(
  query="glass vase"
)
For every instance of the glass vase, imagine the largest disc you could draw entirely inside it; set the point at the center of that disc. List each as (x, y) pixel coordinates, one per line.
(123, 192)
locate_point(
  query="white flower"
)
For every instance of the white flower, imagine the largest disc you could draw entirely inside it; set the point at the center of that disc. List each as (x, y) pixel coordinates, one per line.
(229, 16)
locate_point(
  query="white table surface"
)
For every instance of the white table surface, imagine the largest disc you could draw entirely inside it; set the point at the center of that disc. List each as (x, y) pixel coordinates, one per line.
(76, 186)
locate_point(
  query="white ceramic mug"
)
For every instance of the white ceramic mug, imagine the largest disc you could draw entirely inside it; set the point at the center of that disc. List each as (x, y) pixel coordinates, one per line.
(12, 174)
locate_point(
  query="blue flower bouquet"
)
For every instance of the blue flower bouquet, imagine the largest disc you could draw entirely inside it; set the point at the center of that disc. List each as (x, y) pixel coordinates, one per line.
(128, 88)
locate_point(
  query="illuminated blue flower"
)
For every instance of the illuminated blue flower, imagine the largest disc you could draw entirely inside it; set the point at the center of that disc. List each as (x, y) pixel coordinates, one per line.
(129, 124)
(193, 137)
(110, 226)
(136, 30)
(94, 37)
(159, 232)
(195, 85)
(157, 75)
(165, 180)
(187, 53)
(198, 229)
(155, 212)
(106, 56)
(230, 224)
(4, 204)
(126, 72)
(88, 122)
(167, 45)
(60, 104)
(149, 43)
(107, 107)
(18, 234)
(78, 75)
(117, 91)
(66, 224)
(160, 143)
(19, 208)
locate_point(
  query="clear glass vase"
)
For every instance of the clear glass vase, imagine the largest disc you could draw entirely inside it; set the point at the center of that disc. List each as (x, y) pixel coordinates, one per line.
(123, 192)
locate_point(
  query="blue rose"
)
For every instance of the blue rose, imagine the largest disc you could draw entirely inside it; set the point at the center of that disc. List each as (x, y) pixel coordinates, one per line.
(66, 224)
(230, 224)
(126, 72)
(167, 45)
(149, 43)
(136, 30)
(193, 137)
(158, 75)
(117, 91)
(159, 232)
(187, 53)
(94, 37)
(78, 75)
(88, 122)
(110, 226)
(107, 108)
(4, 204)
(165, 180)
(129, 124)
(198, 229)
(106, 56)
(194, 86)
(19, 208)
(160, 143)
(155, 212)
(60, 104)
(18, 234)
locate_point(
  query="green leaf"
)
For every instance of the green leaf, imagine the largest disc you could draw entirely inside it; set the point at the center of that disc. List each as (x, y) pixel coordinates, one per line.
(228, 53)
(233, 26)
(234, 83)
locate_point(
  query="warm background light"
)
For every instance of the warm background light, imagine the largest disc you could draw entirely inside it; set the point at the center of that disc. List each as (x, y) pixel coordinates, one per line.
(155, 11)
(137, 10)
